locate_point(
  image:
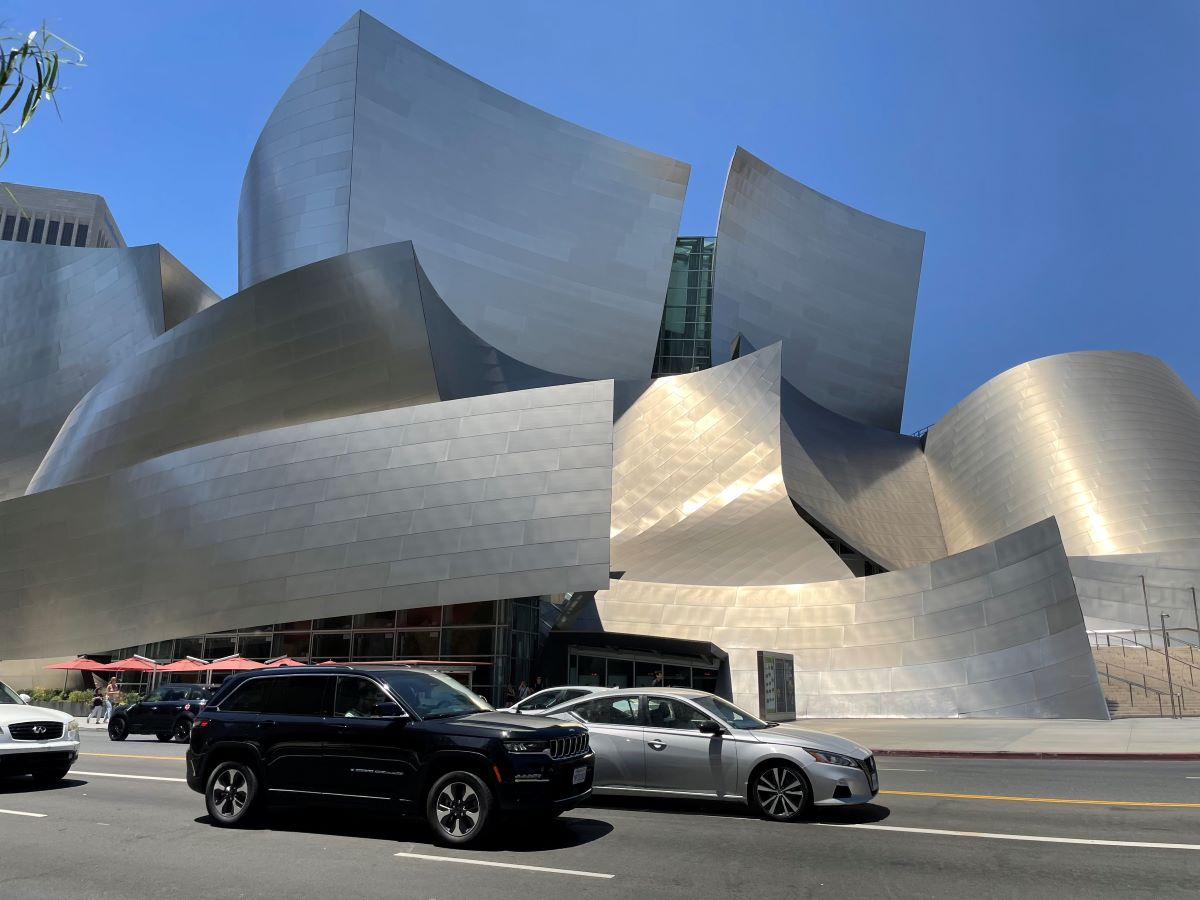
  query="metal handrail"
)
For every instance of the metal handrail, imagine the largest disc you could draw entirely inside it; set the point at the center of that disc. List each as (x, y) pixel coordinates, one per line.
(1148, 687)
(1133, 684)
(1191, 666)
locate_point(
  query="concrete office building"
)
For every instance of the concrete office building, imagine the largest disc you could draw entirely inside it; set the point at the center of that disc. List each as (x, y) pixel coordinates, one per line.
(488, 406)
(60, 218)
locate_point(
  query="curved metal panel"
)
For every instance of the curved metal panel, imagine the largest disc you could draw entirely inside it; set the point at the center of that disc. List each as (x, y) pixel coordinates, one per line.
(67, 315)
(475, 499)
(868, 486)
(698, 492)
(996, 631)
(1106, 442)
(345, 335)
(1110, 590)
(551, 242)
(837, 286)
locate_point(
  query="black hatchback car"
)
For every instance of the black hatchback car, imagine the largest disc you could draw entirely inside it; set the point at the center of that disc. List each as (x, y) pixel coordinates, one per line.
(167, 712)
(410, 737)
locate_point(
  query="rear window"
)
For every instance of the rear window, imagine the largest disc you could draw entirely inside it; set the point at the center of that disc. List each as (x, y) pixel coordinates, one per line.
(289, 695)
(609, 711)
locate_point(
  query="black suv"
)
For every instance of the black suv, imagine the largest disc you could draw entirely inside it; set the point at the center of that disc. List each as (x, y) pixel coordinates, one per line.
(400, 735)
(167, 712)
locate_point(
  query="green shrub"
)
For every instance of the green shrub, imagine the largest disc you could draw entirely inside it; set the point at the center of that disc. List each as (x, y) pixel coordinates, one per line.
(80, 697)
(45, 695)
(128, 697)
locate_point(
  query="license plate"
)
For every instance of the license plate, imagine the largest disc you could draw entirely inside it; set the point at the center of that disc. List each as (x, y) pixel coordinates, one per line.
(579, 775)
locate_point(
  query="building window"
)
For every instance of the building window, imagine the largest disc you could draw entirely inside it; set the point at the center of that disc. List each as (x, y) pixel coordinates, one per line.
(39, 226)
(52, 231)
(10, 223)
(375, 645)
(685, 336)
(23, 228)
(81, 235)
(68, 233)
(331, 646)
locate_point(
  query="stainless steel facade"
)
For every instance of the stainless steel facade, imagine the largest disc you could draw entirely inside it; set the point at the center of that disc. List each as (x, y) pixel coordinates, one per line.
(408, 405)
(996, 631)
(1108, 443)
(837, 286)
(474, 499)
(67, 316)
(549, 241)
(345, 335)
(698, 488)
(867, 485)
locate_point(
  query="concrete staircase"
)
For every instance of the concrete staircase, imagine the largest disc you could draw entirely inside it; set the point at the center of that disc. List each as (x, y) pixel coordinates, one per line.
(1134, 680)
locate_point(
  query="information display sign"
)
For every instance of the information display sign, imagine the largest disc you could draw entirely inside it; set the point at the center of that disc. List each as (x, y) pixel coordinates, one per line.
(776, 686)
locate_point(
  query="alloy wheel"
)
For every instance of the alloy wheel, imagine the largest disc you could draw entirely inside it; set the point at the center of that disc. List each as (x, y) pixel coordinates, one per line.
(458, 809)
(230, 793)
(780, 792)
(183, 730)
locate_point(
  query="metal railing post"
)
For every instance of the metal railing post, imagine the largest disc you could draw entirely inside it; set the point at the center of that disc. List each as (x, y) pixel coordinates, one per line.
(1167, 653)
(1196, 613)
(1146, 600)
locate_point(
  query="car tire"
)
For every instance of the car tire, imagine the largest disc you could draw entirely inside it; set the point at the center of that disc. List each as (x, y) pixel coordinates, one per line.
(779, 791)
(118, 730)
(458, 808)
(182, 732)
(231, 793)
(164, 736)
(51, 776)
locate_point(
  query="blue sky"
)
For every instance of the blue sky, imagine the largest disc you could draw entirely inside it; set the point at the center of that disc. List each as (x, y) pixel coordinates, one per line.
(1050, 151)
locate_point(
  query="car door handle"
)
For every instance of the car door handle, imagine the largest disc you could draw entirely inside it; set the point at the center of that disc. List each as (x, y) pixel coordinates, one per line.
(656, 745)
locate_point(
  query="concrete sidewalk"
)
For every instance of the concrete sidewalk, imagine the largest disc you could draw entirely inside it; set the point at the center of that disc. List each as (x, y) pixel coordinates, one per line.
(1020, 738)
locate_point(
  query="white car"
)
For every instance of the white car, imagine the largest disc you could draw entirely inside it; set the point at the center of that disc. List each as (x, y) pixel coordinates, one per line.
(40, 742)
(548, 697)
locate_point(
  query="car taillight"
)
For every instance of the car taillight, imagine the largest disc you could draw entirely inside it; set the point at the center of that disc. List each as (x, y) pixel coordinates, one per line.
(201, 723)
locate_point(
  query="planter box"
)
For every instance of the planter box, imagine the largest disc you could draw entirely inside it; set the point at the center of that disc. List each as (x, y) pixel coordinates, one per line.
(79, 710)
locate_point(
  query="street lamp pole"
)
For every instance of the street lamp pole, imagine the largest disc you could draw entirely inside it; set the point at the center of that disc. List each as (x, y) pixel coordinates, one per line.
(1167, 653)
(1146, 600)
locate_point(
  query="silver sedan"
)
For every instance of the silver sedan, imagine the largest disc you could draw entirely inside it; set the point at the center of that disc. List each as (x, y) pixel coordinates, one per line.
(677, 742)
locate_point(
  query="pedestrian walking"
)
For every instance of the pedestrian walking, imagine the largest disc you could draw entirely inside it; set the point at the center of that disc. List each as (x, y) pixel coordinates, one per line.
(537, 684)
(522, 690)
(111, 695)
(97, 709)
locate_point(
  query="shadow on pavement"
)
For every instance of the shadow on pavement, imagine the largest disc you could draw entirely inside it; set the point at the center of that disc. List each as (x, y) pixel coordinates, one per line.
(841, 815)
(24, 784)
(513, 834)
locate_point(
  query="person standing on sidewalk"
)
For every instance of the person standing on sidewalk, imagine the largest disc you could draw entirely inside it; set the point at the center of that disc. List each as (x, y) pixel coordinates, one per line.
(97, 706)
(111, 696)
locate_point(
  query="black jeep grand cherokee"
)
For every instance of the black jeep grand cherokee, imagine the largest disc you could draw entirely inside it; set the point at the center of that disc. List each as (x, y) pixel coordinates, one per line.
(382, 734)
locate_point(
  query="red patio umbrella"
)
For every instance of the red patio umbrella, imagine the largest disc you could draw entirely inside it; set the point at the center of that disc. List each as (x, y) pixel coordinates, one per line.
(283, 662)
(233, 663)
(81, 663)
(133, 663)
(187, 664)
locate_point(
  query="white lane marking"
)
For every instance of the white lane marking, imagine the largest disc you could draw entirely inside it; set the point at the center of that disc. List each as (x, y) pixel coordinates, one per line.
(882, 769)
(17, 812)
(501, 865)
(1016, 837)
(138, 777)
(1192, 777)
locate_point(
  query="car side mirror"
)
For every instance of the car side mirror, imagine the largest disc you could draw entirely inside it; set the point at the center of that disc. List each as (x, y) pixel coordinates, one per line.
(389, 710)
(25, 698)
(710, 727)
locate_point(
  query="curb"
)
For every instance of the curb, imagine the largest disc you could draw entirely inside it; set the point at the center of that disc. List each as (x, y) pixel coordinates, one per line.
(1065, 755)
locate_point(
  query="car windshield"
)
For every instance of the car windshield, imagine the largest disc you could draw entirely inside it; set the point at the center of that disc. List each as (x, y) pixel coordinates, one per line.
(432, 695)
(730, 714)
(8, 695)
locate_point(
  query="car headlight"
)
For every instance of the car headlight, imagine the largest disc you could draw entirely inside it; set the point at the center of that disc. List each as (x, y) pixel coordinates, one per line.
(73, 725)
(525, 746)
(833, 759)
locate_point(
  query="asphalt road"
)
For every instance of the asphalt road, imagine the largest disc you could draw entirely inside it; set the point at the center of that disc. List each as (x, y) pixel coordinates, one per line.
(125, 825)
